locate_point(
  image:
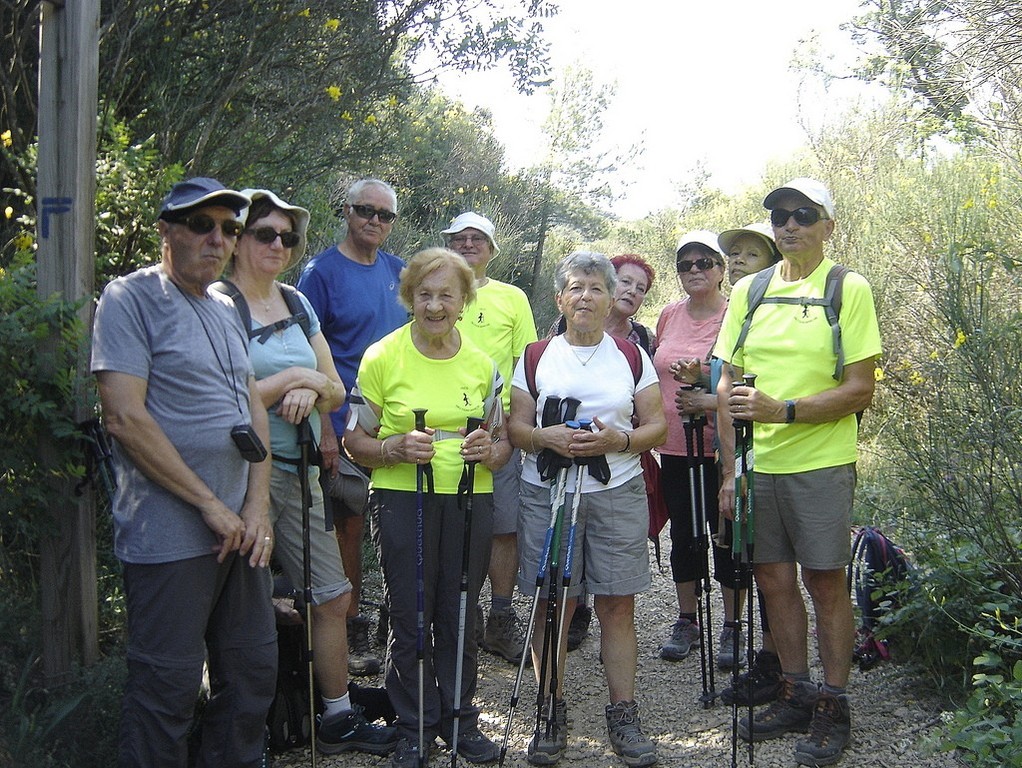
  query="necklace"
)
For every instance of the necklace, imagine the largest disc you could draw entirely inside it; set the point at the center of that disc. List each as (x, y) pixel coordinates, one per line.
(591, 354)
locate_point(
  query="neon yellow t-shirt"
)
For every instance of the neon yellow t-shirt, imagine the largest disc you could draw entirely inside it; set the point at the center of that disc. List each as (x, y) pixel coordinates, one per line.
(397, 377)
(790, 349)
(500, 322)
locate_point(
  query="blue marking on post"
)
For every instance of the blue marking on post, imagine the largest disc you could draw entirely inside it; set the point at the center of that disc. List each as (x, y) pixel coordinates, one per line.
(52, 206)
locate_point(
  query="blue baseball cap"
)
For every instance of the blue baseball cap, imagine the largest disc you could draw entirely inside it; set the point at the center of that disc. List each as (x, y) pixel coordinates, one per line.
(200, 190)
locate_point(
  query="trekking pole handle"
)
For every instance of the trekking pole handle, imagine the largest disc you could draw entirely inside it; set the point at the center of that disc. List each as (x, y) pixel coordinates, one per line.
(473, 423)
(748, 380)
(420, 418)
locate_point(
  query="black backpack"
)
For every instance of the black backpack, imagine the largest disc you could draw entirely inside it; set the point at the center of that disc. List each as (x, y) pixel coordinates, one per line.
(294, 306)
(876, 576)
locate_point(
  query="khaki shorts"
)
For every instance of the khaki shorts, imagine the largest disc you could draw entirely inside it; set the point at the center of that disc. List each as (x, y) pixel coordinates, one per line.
(328, 578)
(507, 483)
(805, 517)
(611, 554)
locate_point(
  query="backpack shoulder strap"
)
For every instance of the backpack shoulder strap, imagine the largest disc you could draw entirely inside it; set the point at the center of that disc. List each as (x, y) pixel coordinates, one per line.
(643, 333)
(757, 290)
(832, 292)
(296, 308)
(229, 289)
(533, 352)
(631, 352)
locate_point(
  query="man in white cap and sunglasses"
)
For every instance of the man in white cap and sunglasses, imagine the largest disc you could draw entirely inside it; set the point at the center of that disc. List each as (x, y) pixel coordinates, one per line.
(803, 409)
(191, 522)
(500, 322)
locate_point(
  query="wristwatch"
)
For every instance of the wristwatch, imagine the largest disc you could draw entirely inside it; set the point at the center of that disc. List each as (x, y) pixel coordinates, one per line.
(789, 412)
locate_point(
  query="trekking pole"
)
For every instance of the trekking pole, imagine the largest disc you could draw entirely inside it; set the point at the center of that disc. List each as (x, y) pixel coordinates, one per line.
(742, 548)
(704, 544)
(420, 589)
(556, 501)
(552, 623)
(304, 440)
(526, 652)
(569, 558)
(468, 483)
(689, 426)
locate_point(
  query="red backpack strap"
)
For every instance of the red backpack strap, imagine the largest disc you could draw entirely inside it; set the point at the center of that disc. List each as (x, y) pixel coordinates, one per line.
(631, 352)
(533, 352)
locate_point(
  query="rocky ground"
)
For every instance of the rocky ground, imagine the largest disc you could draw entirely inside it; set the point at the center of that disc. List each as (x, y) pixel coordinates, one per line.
(894, 724)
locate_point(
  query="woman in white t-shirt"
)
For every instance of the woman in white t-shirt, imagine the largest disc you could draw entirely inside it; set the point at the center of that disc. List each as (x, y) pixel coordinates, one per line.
(611, 380)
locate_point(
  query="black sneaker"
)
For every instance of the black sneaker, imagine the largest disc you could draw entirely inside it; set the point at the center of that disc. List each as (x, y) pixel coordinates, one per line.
(830, 732)
(763, 680)
(578, 628)
(476, 747)
(791, 711)
(406, 754)
(351, 732)
(361, 659)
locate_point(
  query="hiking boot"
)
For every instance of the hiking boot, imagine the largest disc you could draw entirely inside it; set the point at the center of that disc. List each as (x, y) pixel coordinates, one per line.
(352, 732)
(578, 627)
(830, 732)
(503, 637)
(792, 710)
(406, 754)
(361, 659)
(726, 648)
(626, 736)
(547, 750)
(475, 747)
(684, 637)
(762, 683)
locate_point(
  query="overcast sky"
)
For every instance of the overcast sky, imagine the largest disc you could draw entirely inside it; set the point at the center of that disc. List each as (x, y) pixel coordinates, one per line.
(706, 82)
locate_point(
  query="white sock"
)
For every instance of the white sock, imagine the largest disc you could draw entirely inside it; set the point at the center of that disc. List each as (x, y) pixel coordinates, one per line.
(338, 706)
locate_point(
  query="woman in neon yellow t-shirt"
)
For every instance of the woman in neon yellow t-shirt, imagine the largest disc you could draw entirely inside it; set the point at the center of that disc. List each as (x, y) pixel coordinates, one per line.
(428, 364)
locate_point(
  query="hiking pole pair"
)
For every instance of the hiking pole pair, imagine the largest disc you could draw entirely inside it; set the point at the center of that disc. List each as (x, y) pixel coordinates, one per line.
(742, 537)
(305, 445)
(553, 635)
(555, 411)
(693, 426)
(468, 489)
(421, 471)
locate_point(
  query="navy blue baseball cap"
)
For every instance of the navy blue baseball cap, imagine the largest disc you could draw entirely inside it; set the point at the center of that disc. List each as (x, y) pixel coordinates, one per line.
(201, 190)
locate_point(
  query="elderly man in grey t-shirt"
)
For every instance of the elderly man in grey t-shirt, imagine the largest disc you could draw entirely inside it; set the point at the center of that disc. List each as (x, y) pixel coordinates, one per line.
(191, 523)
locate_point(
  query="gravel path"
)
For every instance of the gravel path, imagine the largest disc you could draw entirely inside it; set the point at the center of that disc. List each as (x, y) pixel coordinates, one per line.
(891, 719)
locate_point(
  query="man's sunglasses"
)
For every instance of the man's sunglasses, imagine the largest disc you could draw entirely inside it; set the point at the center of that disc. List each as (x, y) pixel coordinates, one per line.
(704, 264)
(367, 212)
(266, 235)
(203, 224)
(804, 217)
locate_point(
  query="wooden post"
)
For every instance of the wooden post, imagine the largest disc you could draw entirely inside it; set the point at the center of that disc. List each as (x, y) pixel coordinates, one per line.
(65, 203)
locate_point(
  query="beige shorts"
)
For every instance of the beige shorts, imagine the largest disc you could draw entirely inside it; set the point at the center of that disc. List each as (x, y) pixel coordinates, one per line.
(805, 517)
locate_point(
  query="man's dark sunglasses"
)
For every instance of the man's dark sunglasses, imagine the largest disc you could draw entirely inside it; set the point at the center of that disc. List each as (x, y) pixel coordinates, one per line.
(203, 224)
(804, 217)
(267, 235)
(704, 264)
(367, 212)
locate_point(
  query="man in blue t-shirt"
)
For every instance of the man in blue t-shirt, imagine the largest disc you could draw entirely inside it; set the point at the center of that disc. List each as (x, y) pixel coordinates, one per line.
(354, 289)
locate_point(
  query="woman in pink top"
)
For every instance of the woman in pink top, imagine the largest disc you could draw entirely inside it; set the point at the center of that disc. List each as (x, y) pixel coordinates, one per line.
(686, 332)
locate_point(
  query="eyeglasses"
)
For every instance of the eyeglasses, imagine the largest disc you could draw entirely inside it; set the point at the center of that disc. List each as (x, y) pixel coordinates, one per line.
(367, 212)
(203, 224)
(463, 239)
(266, 235)
(804, 217)
(703, 265)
